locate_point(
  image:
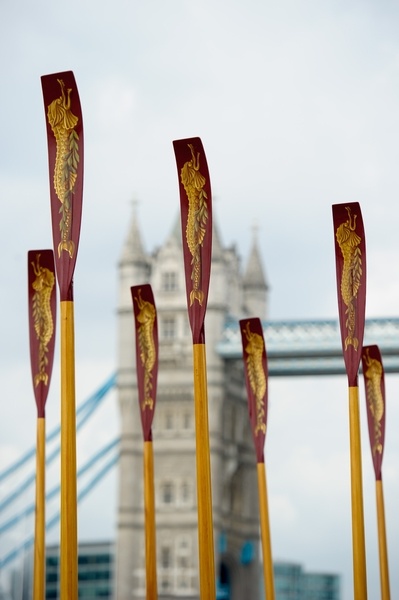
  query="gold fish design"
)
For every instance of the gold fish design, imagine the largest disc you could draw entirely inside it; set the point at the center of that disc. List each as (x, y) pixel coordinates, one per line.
(349, 243)
(63, 123)
(256, 375)
(373, 375)
(42, 315)
(194, 182)
(146, 319)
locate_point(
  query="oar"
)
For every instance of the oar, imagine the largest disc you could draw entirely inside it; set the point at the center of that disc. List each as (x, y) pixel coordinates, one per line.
(350, 256)
(42, 300)
(196, 221)
(145, 318)
(65, 153)
(255, 368)
(373, 372)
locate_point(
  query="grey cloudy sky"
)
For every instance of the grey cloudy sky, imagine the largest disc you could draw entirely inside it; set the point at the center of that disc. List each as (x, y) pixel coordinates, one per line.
(296, 103)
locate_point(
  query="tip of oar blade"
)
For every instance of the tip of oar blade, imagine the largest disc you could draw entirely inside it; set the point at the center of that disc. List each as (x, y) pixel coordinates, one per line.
(42, 302)
(374, 381)
(350, 258)
(64, 125)
(256, 380)
(196, 222)
(146, 328)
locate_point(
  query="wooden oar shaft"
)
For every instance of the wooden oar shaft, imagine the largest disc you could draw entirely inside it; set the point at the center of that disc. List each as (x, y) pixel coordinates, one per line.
(39, 568)
(204, 487)
(358, 539)
(265, 533)
(150, 535)
(69, 543)
(382, 542)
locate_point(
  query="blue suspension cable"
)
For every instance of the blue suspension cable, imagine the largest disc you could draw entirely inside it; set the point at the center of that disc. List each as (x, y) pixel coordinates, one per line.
(55, 490)
(94, 398)
(89, 406)
(26, 544)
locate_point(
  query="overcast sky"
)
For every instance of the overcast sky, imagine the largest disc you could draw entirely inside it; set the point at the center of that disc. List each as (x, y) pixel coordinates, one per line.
(296, 102)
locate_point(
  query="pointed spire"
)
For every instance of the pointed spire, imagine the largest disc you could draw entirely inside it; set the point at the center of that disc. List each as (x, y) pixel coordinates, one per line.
(176, 230)
(133, 249)
(254, 276)
(255, 287)
(217, 248)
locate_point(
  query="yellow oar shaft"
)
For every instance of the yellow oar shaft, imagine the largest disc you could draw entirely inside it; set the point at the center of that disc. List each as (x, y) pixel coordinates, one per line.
(382, 542)
(204, 488)
(69, 543)
(268, 574)
(358, 540)
(150, 536)
(39, 568)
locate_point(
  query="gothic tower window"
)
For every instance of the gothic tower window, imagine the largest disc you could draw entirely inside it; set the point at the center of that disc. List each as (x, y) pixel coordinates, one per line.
(168, 420)
(167, 492)
(187, 421)
(166, 566)
(166, 557)
(183, 553)
(169, 281)
(168, 328)
(185, 492)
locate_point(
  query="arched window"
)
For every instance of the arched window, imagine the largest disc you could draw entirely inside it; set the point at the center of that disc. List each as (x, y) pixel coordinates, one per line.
(187, 420)
(185, 492)
(168, 328)
(167, 492)
(166, 557)
(169, 281)
(168, 420)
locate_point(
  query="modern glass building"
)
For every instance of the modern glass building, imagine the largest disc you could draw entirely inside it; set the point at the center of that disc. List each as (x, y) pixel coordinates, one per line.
(95, 576)
(318, 586)
(292, 583)
(288, 581)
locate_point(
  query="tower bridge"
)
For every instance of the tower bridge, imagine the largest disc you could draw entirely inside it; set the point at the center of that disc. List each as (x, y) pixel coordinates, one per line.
(293, 347)
(312, 347)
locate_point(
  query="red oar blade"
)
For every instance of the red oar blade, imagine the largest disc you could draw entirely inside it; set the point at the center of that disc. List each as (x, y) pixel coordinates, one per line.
(256, 375)
(145, 319)
(373, 372)
(65, 155)
(42, 298)
(196, 221)
(350, 258)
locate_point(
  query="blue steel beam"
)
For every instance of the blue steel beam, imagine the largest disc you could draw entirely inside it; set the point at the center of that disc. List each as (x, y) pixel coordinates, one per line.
(313, 347)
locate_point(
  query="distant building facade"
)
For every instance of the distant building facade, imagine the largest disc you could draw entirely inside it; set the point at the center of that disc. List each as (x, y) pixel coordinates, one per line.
(233, 293)
(292, 583)
(95, 571)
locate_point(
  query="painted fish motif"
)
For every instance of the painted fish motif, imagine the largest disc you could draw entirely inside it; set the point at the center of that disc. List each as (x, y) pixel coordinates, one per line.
(373, 376)
(194, 182)
(146, 319)
(349, 242)
(63, 123)
(42, 316)
(256, 375)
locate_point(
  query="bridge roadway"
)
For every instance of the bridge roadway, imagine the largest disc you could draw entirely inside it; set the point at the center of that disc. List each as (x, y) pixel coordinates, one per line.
(313, 347)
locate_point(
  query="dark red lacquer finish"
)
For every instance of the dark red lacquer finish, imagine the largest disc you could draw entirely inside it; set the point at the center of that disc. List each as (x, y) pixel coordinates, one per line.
(65, 155)
(374, 381)
(256, 380)
(196, 222)
(350, 257)
(145, 318)
(42, 298)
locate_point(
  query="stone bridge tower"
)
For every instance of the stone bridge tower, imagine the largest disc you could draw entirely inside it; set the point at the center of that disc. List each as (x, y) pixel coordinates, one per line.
(233, 294)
